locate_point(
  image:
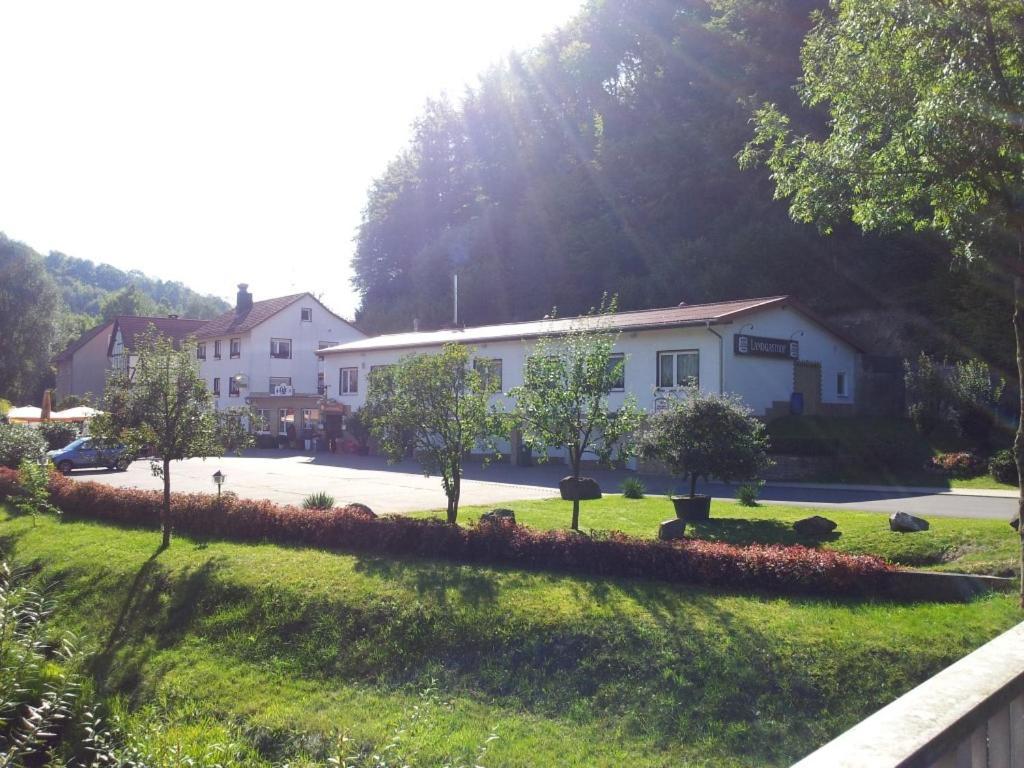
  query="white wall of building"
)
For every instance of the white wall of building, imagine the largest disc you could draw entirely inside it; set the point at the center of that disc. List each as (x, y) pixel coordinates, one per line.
(760, 381)
(255, 362)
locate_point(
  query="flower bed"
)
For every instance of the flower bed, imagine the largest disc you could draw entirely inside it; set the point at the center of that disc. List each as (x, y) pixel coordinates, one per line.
(354, 529)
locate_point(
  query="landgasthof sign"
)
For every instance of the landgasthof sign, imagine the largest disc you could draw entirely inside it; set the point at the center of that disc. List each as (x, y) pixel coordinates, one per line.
(763, 346)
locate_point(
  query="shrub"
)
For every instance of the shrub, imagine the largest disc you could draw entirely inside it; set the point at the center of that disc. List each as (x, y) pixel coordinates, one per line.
(57, 434)
(873, 444)
(633, 488)
(318, 500)
(961, 464)
(748, 492)
(18, 442)
(34, 496)
(354, 529)
(1003, 468)
(10, 483)
(704, 435)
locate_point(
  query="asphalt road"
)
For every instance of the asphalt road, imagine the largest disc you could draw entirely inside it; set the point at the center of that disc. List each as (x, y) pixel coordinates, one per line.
(287, 477)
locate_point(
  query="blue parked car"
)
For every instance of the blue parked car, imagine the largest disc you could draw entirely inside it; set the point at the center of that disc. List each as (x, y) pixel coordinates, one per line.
(90, 452)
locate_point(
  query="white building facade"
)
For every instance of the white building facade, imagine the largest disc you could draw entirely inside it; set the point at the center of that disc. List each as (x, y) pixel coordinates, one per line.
(775, 354)
(263, 355)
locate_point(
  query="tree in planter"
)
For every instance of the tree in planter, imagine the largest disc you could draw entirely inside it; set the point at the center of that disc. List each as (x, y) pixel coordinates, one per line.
(563, 402)
(438, 408)
(702, 435)
(919, 98)
(165, 406)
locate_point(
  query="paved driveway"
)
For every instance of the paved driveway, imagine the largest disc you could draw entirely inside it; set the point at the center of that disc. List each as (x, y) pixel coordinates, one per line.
(287, 477)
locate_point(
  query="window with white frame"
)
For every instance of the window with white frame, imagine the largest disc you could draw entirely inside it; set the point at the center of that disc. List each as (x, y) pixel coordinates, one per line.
(216, 350)
(279, 381)
(281, 348)
(489, 369)
(349, 381)
(233, 389)
(235, 348)
(261, 421)
(617, 370)
(320, 383)
(678, 368)
(842, 385)
(201, 350)
(216, 385)
(308, 420)
(307, 314)
(286, 418)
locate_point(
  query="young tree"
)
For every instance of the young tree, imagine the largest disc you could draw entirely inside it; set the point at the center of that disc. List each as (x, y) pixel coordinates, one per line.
(921, 99)
(231, 429)
(437, 407)
(165, 406)
(563, 402)
(707, 435)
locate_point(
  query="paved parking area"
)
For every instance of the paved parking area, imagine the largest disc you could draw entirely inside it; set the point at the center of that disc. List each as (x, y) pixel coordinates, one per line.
(287, 477)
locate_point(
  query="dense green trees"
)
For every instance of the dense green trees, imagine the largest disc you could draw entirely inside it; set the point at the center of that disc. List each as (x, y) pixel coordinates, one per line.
(922, 102)
(605, 161)
(46, 302)
(29, 306)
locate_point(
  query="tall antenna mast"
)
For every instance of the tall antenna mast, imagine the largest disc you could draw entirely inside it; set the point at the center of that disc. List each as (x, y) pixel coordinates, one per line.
(455, 300)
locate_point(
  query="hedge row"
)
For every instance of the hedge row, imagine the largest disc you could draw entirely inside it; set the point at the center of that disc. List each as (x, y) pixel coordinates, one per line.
(355, 529)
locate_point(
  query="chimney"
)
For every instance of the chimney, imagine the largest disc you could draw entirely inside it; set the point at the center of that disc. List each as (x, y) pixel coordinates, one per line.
(244, 301)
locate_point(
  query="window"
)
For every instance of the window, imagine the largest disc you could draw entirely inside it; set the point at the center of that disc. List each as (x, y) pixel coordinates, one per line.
(321, 387)
(279, 381)
(841, 387)
(307, 314)
(490, 372)
(216, 385)
(201, 350)
(308, 419)
(349, 384)
(233, 389)
(236, 348)
(261, 421)
(281, 348)
(325, 344)
(617, 367)
(678, 369)
(286, 419)
(216, 350)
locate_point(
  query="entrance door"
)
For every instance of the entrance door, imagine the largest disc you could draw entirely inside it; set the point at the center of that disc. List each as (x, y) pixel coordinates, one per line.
(807, 381)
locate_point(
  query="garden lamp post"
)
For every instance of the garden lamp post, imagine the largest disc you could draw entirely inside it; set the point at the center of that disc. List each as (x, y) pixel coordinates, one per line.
(219, 478)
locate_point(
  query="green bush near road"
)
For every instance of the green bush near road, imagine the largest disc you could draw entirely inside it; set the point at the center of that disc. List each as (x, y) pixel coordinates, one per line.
(284, 649)
(19, 442)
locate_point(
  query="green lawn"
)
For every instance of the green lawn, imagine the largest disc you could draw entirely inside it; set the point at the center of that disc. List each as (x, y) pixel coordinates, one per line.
(950, 544)
(281, 650)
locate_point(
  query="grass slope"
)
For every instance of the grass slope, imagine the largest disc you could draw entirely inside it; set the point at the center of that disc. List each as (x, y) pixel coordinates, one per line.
(281, 650)
(950, 544)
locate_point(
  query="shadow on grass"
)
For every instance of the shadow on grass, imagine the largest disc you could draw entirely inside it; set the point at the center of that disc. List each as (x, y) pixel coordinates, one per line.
(433, 579)
(743, 532)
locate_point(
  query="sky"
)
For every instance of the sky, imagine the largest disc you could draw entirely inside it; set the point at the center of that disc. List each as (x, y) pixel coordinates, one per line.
(224, 142)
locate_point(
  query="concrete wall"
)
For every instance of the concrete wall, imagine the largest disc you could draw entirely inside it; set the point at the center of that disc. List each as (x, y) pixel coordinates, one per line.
(255, 360)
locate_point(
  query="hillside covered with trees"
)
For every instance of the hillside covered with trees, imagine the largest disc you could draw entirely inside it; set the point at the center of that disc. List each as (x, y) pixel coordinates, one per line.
(605, 161)
(48, 301)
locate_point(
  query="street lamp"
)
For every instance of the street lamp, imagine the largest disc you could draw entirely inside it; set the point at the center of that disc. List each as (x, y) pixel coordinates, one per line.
(219, 478)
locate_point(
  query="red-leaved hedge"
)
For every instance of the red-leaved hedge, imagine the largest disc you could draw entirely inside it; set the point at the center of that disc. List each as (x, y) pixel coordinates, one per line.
(9, 482)
(352, 529)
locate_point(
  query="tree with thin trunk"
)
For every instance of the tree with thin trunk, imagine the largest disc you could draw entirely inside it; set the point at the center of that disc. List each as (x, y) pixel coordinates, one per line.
(164, 405)
(563, 401)
(438, 408)
(923, 100)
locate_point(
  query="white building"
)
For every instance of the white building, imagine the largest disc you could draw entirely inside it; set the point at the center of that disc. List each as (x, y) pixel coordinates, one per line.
(262, 354)
(766, 350)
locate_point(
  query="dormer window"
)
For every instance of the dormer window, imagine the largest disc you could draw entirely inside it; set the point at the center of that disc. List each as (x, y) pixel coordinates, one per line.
(307, 314)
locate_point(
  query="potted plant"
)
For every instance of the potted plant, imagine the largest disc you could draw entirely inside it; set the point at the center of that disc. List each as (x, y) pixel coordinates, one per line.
(701, 435)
